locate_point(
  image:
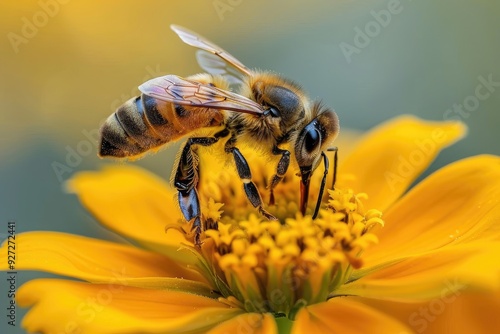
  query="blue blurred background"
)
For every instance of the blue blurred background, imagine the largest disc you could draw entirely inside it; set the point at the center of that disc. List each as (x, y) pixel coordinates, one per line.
(66, 65)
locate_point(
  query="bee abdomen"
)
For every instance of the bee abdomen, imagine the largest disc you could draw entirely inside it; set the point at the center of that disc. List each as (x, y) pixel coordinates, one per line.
(155, 112)
(144, 122)
(125, 133)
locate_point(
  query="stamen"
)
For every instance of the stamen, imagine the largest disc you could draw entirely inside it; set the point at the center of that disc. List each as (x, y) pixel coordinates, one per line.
(267, 266)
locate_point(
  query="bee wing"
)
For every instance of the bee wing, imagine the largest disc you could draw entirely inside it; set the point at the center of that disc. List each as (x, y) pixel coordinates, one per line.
(213, 64)
(172, 88)
(191, 38)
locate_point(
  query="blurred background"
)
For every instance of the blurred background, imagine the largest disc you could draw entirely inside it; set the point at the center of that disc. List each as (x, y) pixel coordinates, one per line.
(65, 65)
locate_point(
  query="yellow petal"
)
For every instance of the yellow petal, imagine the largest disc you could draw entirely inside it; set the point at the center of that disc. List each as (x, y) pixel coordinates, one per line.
(133, 203)
(456, 313)
(391, 156)
(343, 315)
(248, 323)
(472, 266)
(459, 203)
(89, 259)
(60, 306)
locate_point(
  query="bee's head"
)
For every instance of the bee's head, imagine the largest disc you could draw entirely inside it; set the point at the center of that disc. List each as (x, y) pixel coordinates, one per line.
(315, 137)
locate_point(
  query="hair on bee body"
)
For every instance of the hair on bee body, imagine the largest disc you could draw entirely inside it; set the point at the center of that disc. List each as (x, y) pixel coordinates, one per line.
(230, 105)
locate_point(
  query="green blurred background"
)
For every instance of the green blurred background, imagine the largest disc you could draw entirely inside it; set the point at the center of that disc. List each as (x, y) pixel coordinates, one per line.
(64, 67)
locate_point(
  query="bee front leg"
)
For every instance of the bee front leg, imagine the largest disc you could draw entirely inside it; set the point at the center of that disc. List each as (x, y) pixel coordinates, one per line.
(186, 179)
(280, 170)
(246, 176)
(323, 180)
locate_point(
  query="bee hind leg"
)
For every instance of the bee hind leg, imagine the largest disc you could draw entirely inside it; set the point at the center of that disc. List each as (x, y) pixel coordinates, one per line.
(190, 208)
(186, 180)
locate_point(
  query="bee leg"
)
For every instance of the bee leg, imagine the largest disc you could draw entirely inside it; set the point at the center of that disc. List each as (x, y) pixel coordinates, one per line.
(335, 160)
(323, 180)
(246, 176)
(186, 179)
(280, 170)
(190, 207)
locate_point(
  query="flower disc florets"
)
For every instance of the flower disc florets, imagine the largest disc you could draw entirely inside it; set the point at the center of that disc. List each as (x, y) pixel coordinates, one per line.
(278, 267)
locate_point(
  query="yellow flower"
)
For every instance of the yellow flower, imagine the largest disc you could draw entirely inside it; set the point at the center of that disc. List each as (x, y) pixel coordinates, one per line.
(378, 259)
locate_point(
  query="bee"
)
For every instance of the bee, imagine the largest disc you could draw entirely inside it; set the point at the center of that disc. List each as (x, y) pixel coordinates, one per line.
(238, 105)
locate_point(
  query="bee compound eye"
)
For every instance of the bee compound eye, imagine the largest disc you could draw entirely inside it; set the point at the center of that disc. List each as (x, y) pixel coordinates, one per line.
(312, 139)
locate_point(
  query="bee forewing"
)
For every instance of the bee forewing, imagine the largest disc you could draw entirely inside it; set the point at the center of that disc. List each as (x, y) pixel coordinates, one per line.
(172, 88)
(191, 38)
(213, 64)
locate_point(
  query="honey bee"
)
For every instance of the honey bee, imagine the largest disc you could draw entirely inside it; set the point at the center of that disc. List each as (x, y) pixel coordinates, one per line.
(269, 111)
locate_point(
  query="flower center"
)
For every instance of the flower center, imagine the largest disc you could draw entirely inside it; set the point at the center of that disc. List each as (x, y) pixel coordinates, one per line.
(280, 266)
(266, 266)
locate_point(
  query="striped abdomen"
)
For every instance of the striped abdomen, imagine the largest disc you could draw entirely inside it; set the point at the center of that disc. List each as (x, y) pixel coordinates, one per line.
(144, 123)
